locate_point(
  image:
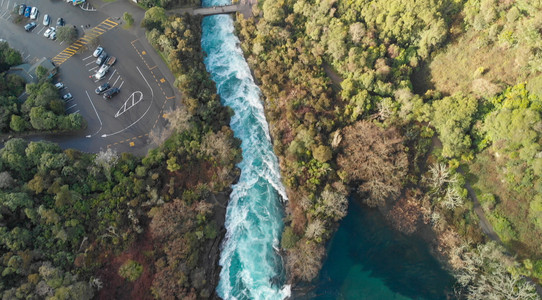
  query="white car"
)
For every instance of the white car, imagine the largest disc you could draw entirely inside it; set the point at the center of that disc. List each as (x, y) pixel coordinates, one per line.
(46, 20)
(53, 35)
(98, 51)
(101, 72)
(67, 97)
(59, 85)
(48, 32)
(34, 13)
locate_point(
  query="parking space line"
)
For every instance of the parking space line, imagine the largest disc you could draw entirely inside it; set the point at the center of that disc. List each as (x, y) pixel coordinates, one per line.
(4, 13)
(7, 6)
(71, 106)
(41, 30)
(87, 57)
(75, 112)
(116, 80)
(99, 119)
(90, 70)
(2, 3)
(89, 63)
(121, 84)
(114, 71)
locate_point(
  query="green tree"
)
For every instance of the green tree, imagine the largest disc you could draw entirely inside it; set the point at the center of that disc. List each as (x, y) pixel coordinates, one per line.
(66, 34)
(453, 118)
(42, 73)
(18, 124)
(128, 19)
(273, 11)
(42, 119)
(130, 270)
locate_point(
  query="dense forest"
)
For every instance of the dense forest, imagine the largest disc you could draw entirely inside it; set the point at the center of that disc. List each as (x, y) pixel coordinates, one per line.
(43, 109)
(407, 103)
(75, 225)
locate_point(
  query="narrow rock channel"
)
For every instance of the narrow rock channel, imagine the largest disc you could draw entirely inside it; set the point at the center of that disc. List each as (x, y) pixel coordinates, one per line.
(251, 267)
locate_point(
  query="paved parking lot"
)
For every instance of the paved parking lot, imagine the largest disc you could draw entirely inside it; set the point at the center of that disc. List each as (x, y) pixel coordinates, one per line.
(123, 122)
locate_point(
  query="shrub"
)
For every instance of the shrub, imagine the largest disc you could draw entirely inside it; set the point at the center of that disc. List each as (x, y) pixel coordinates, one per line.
(130, 270)
(128, 19)
(289, 238)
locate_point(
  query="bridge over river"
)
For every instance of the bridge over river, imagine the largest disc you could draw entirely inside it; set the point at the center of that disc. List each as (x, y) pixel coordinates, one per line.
(243, 6)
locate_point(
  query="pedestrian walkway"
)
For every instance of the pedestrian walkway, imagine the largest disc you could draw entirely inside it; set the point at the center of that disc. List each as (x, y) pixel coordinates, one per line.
(95, 32)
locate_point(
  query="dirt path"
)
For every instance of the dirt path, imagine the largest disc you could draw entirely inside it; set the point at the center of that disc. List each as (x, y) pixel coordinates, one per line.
(487, 228)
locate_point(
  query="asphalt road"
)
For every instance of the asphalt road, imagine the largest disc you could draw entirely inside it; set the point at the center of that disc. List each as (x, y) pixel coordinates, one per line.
(125, 122)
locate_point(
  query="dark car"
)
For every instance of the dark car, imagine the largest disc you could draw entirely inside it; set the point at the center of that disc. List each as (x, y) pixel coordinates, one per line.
(60, 22)
(30, 26)
(22, 8)
(102, 88)
(101, 58)
(27, 11)
(110, 93)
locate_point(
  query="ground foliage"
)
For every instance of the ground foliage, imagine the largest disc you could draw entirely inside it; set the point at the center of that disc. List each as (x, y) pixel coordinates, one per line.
(43, 109)
(371, 50)
(67, 217)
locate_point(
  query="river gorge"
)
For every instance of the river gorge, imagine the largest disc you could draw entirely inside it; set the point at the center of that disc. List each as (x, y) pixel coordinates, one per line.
(366, 258)
(251, 266)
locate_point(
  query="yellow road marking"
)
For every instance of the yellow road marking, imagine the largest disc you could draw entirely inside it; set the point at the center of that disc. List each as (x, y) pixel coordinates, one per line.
(143, 52)
(170, 97)
(109, 21)
(162, 80)
(132, 144)
(73, 48)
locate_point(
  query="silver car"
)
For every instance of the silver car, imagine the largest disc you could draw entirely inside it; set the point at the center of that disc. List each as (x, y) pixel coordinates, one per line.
(46, 20)
(34, 13)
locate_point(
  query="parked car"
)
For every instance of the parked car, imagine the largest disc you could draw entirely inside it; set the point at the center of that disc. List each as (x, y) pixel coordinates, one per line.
(67, 97)
(22, 8)
(27, 11)
(101, 59)
(110, 93)
(34, 13)
(110, 61)
(101, 72)
(98, 51)
(48, 32)
(53, 35)
(102, 88)
(60, 22)
(59, 85)
(46, 20)
(30, 26)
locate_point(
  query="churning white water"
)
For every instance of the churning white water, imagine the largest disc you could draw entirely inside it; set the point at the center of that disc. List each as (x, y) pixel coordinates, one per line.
(251, 268)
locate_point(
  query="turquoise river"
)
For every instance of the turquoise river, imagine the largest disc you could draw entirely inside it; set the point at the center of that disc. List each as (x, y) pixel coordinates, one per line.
(251, 268)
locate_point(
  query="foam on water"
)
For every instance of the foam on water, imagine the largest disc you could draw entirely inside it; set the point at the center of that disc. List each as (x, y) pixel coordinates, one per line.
(251, 268)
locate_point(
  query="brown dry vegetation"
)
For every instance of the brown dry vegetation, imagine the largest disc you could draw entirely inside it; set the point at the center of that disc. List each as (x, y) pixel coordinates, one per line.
(460, 66)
